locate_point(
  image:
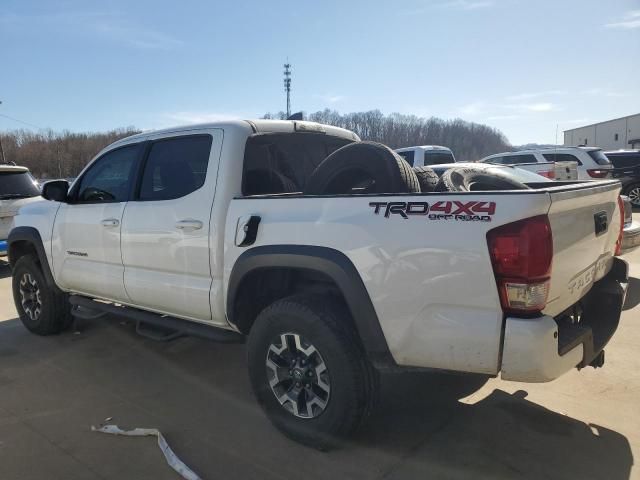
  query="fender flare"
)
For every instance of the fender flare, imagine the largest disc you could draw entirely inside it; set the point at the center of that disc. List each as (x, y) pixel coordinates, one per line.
(31, 236)
(330, 262)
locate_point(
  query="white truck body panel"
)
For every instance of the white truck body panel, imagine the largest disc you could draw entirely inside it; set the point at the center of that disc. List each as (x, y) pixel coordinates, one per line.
(165, 245)
(430, 280)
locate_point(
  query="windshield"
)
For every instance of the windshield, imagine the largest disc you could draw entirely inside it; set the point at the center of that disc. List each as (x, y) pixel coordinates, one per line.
(17, 185)
(599, 157)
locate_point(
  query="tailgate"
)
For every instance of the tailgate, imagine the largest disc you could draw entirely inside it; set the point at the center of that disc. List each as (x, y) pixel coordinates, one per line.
(585, 223)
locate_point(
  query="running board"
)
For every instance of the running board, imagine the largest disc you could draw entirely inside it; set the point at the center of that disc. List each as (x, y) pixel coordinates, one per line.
(177, 325)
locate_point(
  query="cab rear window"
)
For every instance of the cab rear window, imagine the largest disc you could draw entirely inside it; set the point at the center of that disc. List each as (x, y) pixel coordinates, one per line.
(277, 163)
(438, 158)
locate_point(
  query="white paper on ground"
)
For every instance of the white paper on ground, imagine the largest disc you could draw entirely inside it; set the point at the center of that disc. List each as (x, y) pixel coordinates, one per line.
(171, 457)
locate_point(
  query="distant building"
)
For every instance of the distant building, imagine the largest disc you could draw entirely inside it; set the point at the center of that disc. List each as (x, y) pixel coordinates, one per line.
(610, 135)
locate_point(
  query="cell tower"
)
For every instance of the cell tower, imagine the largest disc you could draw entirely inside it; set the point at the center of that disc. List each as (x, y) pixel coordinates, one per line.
(287, 86)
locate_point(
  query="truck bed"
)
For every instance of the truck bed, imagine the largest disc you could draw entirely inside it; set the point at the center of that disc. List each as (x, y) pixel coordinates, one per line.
(424, 258)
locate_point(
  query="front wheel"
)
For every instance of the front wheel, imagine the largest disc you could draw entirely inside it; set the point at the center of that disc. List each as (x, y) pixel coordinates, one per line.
(308, 370)
(43, 309)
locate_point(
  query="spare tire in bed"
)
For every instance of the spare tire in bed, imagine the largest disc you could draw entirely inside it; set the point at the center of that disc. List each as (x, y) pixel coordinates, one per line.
(362, 167)
(470, 179)
(427, 178)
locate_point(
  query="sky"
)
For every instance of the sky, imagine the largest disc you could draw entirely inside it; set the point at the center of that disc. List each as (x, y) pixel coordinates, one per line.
(527, 68)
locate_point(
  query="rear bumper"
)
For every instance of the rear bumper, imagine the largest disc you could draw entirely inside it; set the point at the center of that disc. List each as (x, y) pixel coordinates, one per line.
(543, 348)
(631, 237)
(3, 248)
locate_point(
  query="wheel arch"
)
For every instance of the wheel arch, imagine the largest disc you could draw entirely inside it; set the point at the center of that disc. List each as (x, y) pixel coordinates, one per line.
(321, 263)
(26, 241)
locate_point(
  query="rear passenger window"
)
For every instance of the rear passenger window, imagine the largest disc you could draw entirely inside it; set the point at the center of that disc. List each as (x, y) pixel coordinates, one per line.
(561, 157)
(175, 167)
(408, 156)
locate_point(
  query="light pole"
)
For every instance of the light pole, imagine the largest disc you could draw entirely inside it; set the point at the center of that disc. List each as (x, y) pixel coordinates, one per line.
(1, 149)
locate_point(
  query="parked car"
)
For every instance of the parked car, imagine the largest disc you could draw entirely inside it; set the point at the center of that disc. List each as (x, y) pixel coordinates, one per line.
(631, 230)
(426, 155)
(626, 165)
(591, 162)
(17, 188)
(332, 267)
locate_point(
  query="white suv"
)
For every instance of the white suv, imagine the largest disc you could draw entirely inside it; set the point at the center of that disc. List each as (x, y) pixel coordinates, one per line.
(17, 187)
(592, 162)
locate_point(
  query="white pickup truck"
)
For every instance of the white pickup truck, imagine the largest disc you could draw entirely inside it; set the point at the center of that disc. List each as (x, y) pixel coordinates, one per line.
(243, 229)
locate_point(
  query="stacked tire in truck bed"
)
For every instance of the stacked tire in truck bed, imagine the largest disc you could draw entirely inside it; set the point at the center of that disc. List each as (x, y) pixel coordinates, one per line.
(370, 167)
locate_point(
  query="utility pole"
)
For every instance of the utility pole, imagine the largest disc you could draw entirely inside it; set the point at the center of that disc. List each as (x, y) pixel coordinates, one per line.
(1, 149)
(287, 85)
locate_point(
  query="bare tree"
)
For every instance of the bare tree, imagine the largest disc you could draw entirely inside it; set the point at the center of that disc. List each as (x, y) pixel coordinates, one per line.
(50, 155)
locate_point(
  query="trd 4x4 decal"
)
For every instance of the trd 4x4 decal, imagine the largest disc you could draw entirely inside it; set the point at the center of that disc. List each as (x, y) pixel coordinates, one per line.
(473, 211)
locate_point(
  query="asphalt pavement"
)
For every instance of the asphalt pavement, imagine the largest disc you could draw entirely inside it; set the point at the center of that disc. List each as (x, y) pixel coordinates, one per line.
(52, 390)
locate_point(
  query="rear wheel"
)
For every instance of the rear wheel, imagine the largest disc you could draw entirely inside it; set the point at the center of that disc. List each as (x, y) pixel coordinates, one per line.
(308, 370)
(633, 192)
(43, 309)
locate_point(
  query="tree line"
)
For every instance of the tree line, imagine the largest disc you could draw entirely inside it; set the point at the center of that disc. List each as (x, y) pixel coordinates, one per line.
(468, 140)
(50, 154)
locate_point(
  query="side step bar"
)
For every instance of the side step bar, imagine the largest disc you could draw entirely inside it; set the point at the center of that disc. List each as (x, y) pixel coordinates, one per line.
(87, 308)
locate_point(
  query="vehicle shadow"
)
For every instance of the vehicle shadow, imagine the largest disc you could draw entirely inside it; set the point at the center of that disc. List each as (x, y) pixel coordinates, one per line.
(501, 436)
(197, 393)
(633, 294)
(5, 269)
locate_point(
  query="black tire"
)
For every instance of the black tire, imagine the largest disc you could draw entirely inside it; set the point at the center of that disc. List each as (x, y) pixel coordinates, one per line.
(362, 167)
(470, 179)
(265, 181)
(427, 178)
(351, 381)
(46, 310)
(633, 192)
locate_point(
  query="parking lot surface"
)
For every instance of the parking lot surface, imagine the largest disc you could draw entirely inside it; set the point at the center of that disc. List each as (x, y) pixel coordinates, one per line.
(52, 390)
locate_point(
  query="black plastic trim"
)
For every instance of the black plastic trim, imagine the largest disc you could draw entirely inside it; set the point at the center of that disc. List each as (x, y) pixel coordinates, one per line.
(32, 236)
(186, 327)
(333, 264)
(602, 308)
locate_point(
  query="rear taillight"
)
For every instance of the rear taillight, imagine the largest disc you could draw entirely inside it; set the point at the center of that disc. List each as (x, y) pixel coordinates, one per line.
(549, 174)
(521, 255)
(621, 232)
(597, 173)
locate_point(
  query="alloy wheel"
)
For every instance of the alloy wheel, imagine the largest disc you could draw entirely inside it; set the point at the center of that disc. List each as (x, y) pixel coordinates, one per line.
(298, 376)
(634, 196)
(30, 296)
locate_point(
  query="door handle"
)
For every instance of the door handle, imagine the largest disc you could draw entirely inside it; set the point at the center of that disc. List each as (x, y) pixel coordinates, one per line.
(110, 222)
(189, 225)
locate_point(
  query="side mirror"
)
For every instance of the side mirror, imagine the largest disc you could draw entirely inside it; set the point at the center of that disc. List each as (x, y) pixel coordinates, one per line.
(56, 190)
